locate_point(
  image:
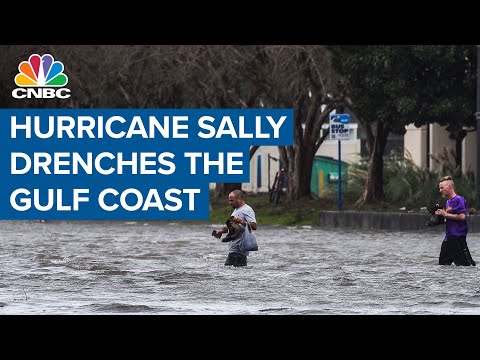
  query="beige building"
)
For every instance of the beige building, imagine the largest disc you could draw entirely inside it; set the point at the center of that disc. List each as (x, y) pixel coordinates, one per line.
(430, 144)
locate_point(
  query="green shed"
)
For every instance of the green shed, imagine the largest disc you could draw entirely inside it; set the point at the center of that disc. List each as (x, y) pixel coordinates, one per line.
(325, 175)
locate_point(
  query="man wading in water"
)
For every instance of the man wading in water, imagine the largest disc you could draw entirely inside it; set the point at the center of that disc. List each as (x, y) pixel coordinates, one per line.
(242, 214)
(454, 245)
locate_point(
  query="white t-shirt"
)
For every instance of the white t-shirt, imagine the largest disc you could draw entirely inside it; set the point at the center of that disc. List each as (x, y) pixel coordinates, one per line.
(244, 212)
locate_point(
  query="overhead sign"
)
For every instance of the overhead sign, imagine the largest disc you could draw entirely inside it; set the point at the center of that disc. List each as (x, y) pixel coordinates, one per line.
(340, 127)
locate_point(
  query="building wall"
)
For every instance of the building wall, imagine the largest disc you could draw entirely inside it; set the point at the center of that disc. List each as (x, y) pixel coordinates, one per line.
(415, 144)
(350, 150)
(469, 151)
(441, 147)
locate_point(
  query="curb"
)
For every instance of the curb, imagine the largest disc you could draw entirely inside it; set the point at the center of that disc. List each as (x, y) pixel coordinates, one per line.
(385, 221)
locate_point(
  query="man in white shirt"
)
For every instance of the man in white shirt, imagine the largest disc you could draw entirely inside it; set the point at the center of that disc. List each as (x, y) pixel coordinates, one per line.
(242, 214)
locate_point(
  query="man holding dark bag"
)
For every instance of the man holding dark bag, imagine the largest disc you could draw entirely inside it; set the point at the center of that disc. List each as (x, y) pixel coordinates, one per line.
(240, 244)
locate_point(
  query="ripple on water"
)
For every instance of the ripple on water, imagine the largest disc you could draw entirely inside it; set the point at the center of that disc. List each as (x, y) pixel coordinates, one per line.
(121, 308)
(464, 304)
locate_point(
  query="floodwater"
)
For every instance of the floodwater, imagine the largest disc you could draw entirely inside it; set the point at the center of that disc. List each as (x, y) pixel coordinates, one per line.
(86, 267)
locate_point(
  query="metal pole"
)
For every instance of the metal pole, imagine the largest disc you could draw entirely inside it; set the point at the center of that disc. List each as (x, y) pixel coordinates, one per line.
(339, 175)
(268, 172)
(477, 175)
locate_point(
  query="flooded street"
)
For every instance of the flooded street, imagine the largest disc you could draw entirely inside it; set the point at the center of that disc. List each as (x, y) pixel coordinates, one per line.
(117, 267)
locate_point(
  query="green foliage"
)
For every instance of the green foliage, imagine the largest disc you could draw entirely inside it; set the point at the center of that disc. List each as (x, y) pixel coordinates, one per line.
(392, 86)
(404, 84)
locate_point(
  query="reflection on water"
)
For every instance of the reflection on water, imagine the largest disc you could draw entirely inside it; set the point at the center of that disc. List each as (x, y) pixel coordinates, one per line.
(177, 268)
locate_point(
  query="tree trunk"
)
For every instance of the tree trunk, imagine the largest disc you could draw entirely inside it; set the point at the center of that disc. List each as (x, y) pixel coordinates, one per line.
(253, 150)
(458, 153)
(306, 165)
(374, 185)
(373, 191)
(293, 174)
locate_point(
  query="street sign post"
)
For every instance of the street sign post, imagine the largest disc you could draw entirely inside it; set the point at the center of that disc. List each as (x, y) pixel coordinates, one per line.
(339, 130)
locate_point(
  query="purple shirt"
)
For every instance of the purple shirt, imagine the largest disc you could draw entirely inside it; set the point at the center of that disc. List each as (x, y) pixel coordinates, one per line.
(456, 205)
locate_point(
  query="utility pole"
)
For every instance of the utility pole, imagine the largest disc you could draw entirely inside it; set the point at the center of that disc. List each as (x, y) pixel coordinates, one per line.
(477, 114)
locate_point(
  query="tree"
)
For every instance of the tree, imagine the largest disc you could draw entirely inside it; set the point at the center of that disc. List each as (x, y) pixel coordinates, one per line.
(393, 86)
(301, 77)
(274, 76)
(212, 76)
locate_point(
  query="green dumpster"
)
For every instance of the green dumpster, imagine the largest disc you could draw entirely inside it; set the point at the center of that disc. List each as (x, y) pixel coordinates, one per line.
(325, 176)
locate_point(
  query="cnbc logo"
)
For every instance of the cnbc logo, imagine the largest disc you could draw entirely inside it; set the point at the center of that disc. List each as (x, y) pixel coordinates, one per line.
(41, 77)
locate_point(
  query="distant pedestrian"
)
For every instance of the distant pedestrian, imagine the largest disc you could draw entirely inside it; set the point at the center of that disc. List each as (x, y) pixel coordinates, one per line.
(242, 214)
(454, 246)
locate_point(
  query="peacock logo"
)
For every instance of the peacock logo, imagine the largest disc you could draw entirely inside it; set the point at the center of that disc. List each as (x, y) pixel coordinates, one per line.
(41, 77)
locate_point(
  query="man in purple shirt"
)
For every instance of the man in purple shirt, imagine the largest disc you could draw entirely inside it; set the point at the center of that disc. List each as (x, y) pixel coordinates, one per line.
(454, 245)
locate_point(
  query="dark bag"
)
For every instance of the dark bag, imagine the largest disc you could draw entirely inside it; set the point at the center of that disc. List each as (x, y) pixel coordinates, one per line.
(435, 219)
(249, 242)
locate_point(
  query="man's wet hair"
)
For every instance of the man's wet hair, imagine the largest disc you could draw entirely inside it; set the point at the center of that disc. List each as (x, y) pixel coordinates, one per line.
(449, 179)
(239, 194)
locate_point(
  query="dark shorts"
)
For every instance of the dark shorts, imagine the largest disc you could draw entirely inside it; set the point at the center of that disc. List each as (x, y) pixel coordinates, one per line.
(455, 250)
(236, 259)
